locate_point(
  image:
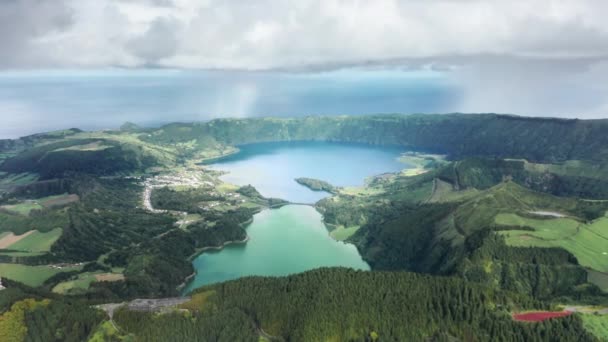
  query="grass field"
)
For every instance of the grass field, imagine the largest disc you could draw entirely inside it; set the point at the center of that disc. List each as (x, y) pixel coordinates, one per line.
(360, 191)
(598, 278)
(597, 325)
(342, 233)
(37, 242)
(25, 207)
(83, 281)
(571, 168)
(94, 146)
(587, 242)
(444, 192)
(18, 179)
(31, 275)
(22, 208)
(9, 239)
(57, 200)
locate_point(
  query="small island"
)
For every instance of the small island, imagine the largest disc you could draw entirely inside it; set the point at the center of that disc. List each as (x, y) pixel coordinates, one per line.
(317, 185)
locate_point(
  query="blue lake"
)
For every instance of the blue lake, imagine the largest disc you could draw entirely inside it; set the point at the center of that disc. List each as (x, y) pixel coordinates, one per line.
(272, 167)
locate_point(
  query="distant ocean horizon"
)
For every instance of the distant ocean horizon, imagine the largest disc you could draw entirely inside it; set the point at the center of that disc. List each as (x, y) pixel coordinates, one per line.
(39, 101)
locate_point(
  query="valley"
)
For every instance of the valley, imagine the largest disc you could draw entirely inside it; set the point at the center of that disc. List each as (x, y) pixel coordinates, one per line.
(208, 209)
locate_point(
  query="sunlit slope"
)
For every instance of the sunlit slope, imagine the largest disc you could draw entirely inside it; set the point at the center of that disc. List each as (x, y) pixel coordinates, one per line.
(588, 242)
(466, 236)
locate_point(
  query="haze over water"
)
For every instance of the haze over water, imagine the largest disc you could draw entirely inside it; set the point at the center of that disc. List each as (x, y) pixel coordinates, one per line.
(38, 101)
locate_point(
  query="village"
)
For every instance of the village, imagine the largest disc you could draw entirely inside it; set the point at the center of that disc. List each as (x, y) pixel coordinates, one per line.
(189, 179)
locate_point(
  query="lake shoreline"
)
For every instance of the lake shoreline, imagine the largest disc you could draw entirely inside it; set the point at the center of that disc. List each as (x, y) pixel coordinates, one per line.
(190, 277)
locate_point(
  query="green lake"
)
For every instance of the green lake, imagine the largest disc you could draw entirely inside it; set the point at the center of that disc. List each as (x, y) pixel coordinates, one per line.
(282, 241)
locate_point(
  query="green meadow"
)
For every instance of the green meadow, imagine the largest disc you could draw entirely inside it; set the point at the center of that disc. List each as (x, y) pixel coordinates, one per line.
(31, 275)
(597, 325)
(37, 242)
(22, 208)
(82, 282)
(342, 233)
(587, 242)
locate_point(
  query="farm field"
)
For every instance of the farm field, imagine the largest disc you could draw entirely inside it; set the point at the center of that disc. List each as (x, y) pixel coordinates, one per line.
(83, 281)
(37, 242)
(57, 200)
(25, 208)
(7, 239)
(22, 208)
(587, 242)
(31, 275)
(17, 179)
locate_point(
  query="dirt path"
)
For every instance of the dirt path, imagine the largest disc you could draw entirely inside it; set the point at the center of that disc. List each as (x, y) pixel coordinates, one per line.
(109, 309)
(267, 336)
(11, 238)
(547, 213)
(588, 309)
(433, 191)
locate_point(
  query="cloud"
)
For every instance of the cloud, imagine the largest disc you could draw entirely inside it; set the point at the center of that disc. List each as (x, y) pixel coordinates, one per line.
(562, 88)
(23, 23)
(540, 57)
(158, 42)
(265, 34)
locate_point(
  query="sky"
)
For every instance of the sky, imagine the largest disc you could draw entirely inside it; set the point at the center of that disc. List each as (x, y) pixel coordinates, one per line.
(94, 63)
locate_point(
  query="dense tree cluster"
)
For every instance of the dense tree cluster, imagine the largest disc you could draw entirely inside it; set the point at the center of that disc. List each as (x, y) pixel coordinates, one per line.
(458, 135)
(346, 305)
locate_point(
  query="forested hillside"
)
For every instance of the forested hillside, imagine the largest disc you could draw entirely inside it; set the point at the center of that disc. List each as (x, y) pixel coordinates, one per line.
(458, 135)
(346, 305)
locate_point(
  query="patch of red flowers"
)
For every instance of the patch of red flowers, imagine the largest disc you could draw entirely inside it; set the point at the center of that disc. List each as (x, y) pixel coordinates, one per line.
(539, 316)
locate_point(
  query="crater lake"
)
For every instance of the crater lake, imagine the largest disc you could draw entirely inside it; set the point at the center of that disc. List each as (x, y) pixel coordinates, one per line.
(292, 238)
